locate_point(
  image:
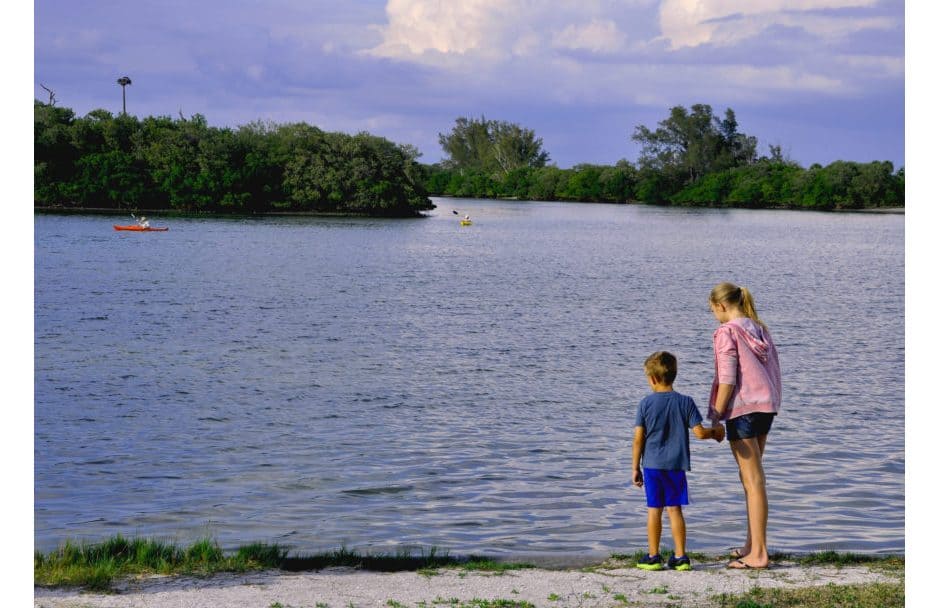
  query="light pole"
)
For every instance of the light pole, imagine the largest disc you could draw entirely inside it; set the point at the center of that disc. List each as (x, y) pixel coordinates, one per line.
(123, 81)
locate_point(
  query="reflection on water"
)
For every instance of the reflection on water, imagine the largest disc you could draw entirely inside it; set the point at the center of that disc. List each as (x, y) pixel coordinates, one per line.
(388, 383)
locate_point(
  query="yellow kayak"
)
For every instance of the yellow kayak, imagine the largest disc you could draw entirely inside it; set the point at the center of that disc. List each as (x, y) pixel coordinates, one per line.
(465, 222)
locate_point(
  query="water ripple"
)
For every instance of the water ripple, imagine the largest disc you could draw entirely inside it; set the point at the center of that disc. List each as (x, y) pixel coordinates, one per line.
(385, 384)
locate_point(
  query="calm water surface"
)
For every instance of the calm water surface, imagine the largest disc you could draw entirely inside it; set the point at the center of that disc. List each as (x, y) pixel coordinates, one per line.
(387, 384)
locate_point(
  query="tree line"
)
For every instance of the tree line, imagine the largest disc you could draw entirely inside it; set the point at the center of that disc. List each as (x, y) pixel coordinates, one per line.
(693, 157)
(121, 162)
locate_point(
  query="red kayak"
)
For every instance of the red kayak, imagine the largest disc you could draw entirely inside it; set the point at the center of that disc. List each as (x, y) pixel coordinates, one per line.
(137, 228)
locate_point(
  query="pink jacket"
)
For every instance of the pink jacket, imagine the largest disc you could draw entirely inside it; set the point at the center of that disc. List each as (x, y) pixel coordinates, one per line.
(745, 356)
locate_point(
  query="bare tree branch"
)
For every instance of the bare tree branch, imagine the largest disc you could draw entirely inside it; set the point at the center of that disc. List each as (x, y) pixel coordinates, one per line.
(51, 94)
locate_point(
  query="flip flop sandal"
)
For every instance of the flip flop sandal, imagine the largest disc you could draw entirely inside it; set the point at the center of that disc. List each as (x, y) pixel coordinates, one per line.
(738, 564)
(736, 553)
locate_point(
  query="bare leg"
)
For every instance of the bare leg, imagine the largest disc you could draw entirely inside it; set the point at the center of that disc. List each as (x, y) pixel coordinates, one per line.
(746, 547)
(749, 455)
(654, 529)
(677, 523)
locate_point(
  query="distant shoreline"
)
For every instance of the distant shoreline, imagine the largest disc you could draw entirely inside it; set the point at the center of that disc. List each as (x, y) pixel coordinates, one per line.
(177, 213)
(207, 214)
(886, 210)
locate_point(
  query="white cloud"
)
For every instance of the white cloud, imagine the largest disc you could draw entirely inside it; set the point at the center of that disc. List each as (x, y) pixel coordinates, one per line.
(517, 49)
(662, 85)
(449, 33)
(526, 44)
(598, 36)
(421, 27)
(781, 79)
(873, 66)
(689, 23)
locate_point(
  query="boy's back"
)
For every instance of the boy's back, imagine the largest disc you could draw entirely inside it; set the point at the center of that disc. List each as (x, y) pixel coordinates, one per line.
(667, 417)
(661, 442)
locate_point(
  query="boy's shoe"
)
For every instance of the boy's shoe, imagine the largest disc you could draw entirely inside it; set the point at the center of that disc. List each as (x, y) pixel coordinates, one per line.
(650, 562)
(682, 563)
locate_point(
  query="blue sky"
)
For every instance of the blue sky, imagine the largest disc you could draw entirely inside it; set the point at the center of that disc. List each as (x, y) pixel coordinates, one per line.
(824, 79)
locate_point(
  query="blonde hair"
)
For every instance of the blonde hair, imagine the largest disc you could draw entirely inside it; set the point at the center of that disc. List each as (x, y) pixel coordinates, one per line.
(662, 366)
(739, 297)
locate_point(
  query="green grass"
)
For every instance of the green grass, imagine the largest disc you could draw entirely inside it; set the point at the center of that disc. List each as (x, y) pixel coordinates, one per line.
(95, 566)
(874, 595)
(633, 558)
(484, 564)
(823, 558)
(400, 561)
(498, 603)
(835, 558)
(478, 603)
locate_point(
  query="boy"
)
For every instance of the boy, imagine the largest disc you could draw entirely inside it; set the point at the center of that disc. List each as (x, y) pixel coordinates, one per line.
(661, 436)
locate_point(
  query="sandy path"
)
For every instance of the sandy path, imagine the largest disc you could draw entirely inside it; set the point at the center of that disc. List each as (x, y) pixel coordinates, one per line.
(342, 588)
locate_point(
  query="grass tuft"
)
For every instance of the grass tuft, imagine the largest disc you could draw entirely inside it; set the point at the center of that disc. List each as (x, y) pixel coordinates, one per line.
(874, 595)
(204, 554)
(477, 563)
(401, 561)
(95, 566)
(262, 555)
(497, 603)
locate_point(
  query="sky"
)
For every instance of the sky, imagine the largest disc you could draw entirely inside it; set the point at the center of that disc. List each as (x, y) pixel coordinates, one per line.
(823, 79)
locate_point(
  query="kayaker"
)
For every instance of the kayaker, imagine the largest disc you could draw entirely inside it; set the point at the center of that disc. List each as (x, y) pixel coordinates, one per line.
(143, 222)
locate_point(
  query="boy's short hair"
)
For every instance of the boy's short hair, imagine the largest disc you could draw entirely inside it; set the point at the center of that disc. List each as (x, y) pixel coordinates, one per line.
(662, 366)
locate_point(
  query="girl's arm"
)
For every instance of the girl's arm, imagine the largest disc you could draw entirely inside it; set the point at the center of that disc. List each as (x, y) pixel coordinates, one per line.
(722, 398)
(726, 371)
(639, 438)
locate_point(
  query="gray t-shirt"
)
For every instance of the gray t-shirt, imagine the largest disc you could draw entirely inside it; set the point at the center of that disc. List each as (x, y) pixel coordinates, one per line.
(667, 418)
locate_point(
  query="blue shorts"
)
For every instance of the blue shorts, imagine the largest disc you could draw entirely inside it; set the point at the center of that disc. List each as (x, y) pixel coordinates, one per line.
(749, 425)
(665, 488)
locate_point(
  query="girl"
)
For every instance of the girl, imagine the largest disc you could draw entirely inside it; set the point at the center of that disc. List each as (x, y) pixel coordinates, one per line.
(746, 395)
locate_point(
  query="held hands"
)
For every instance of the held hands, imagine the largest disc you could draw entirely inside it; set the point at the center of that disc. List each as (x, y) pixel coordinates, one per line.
(718, 429)
(638, 478)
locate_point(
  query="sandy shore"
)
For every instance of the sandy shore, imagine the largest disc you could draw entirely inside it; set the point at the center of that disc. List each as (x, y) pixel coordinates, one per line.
(607, 585)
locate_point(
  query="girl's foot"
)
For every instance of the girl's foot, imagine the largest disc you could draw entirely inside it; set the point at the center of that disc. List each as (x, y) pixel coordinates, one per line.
(740, 564)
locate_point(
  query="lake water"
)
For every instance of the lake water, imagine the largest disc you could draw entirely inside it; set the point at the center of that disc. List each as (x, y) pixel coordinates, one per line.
(391, 384)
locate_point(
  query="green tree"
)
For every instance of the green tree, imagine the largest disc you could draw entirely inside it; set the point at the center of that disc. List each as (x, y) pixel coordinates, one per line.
(158, 162)
(54, 154)
(172, 155)
(549, 182)
(583, 184)
(491, 146)
(112, 179)
(874, 183)
(694, 143)
(618, 183)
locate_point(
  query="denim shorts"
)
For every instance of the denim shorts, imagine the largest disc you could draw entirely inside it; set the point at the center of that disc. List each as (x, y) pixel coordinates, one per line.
(749, 425)
(665, 488)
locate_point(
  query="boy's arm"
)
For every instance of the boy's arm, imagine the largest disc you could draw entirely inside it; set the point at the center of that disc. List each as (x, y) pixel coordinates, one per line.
(639, 438)
(717, 432)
